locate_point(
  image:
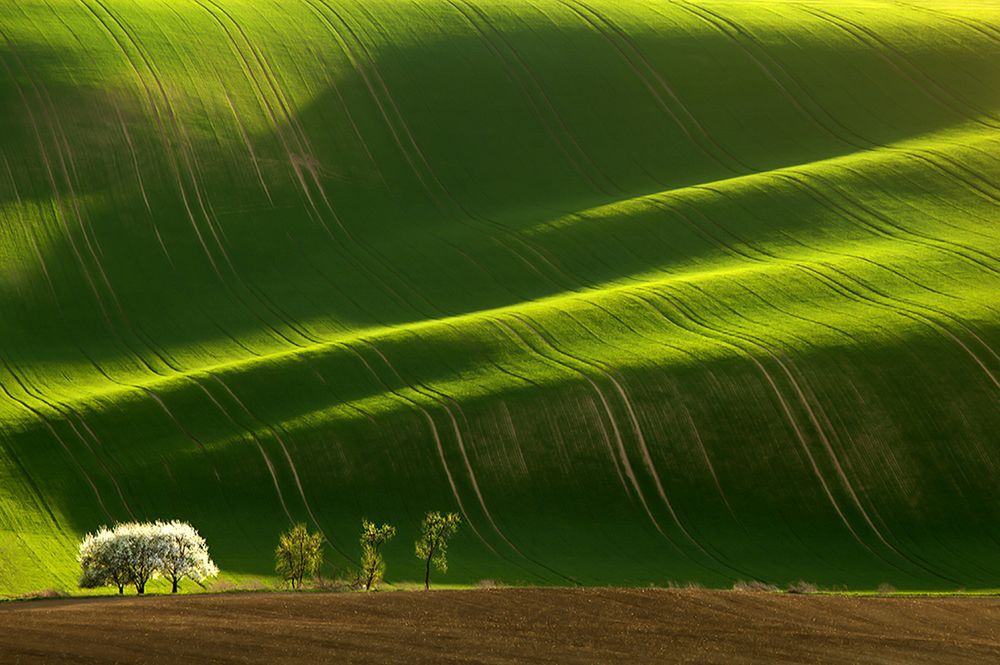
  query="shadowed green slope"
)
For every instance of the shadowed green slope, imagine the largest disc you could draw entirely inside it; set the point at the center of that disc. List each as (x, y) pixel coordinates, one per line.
(647, 291)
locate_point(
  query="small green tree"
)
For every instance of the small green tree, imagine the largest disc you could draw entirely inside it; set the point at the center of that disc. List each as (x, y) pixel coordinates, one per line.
(372, 539)
(299, 553)
(435, 532)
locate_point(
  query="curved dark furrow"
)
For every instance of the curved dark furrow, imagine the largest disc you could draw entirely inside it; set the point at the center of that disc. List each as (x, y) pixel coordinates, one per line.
(284, 449)
(418, 408)
(56, 191)
(629, 54)
(257, 442)
(984, 29)
(636, 429)
(870, 212)
(55, 435)
(395, 121)
(161, 404)
(915, 304)
(721, 339)
(67, 414)
(819, 249)
(250, 149)
(203, 206)
(623, 459)
(933, 88)
(157, 114)
(925, 319)
(172, 127)
(899, 233)
(715, 338)
(711, 469)
(811, 418)
(765, 257)
(871, 506)
(418, 162)
(534, 93)
(65, 167)
(22, 221)
(727, 27)
(979, 230)
(647, 457)
(656, 312)
(37, 495)
(355, 129)
(663, 84)
(478, 221)
(300, 157)
(839, 131)
(754, 325)
(618, 464)
(443, 400)
(58, 136)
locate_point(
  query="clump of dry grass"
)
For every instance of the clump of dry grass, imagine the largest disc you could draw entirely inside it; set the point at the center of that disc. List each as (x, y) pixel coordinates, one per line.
(489, 584)
(886, 589)
(220, 586)
(44, 593)
(754, 586)
(802, 587)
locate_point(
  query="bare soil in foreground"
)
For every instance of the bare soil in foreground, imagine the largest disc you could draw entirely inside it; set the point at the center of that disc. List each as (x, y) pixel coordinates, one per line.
(503, 626)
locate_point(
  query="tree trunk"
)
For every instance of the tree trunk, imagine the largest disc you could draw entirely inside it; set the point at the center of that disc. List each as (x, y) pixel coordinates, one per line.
(427, 569)
(302, 560)
(140, 588)
(121, 589)
(175, 584)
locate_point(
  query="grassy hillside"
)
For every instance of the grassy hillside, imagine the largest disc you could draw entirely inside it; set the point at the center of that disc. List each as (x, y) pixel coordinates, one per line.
(647, 291)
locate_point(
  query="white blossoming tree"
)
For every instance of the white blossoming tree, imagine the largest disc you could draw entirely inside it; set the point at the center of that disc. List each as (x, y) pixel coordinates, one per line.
(102, 561)
(143, 551)
(184, 554)
(136, 552)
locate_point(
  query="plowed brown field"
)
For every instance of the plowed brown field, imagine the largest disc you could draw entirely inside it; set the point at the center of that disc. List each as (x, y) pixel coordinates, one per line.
(504, 626)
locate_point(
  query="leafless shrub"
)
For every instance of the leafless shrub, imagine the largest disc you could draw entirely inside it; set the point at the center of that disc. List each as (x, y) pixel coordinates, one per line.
(886, 589)
(754, 586)
(337, 584)
(802, 587)
(489, 584)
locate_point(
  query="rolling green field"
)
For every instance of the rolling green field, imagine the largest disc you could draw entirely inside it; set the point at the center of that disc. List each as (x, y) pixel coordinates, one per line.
(647, 291)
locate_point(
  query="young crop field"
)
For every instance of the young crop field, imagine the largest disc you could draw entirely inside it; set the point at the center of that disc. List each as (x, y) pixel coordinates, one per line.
(645, 291)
